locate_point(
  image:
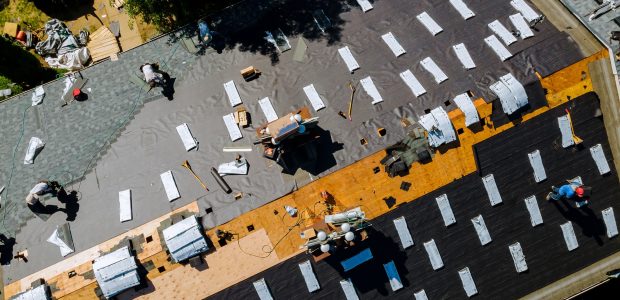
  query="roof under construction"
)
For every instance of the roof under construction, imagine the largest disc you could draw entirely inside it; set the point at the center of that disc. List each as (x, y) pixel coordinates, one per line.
(403, 69)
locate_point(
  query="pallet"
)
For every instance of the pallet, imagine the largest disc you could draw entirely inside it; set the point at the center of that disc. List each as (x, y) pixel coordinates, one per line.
(102, 44)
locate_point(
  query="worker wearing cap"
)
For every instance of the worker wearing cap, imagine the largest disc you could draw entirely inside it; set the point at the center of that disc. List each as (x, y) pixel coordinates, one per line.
(152, 75)
(41, 188)
(567, 191)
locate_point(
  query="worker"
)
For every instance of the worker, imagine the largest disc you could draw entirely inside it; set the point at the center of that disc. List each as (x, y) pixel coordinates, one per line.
(41, 188)
(152, 75)
(567, 191)
(204, 33)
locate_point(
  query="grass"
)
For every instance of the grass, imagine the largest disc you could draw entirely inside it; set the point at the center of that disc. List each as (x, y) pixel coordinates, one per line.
(23, 12)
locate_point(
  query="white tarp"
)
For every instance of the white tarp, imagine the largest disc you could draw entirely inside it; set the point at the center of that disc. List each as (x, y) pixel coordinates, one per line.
(569, 236)
(313, 97)
(71, 61)
(566, 131)
(124, 201)
(34, 146)
(497, 46)
(170, 185)
(468, 282)
(481, 230)
(231, 126)
(516, 88)
(491, 187)
(444, 124)
(463, 56)
(537, 166)
(365, 5)
(309, 277)
(262, 289)
(371, 90)
(599, 158)
(189, 141)
(38, 95)
(57, 240)
(234, 167)
(394, 45)
(517, 257)
(528, 13)
(416, 87)
(429, 23)
(433, 254)
(524, 29)
(462, 8)
(430, 66)
(610, 222)
(348, 58)
(439, 127)
(267, 108)
(464, 103)
(499, 29)
(532, 207)
(403, 232)
(233, 94)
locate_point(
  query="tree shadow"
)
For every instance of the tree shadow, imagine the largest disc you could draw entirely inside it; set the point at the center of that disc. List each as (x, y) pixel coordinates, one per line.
(67, 10)
(243, 25)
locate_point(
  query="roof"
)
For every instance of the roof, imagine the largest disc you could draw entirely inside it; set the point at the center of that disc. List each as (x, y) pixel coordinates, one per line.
(184, 239)
(116, 272)
(123, 137)
(491, 265)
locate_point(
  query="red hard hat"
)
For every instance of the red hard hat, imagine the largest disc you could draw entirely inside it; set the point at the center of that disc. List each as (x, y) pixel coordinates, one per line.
(76, 92)
(579, 191)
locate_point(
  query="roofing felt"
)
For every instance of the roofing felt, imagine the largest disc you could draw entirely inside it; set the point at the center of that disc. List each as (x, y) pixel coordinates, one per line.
(491, 266)
(123, 138)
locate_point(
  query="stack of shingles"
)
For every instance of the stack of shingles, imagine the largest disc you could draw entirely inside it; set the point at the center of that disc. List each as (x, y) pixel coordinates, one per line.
(102, 44)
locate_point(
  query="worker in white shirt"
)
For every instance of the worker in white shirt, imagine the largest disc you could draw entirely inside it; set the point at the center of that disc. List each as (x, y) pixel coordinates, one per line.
(41, 188)
(152, 75)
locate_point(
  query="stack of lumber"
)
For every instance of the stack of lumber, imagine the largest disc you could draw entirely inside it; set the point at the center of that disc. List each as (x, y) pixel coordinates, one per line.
(102, 44)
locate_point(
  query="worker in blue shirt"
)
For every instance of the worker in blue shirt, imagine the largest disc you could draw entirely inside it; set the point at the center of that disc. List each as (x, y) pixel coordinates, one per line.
(567, 191)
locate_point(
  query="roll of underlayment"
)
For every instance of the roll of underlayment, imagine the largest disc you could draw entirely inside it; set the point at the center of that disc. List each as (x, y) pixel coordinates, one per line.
(220, 181)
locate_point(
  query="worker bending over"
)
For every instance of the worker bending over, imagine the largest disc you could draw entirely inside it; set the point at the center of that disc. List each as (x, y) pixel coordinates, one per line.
(41, 188)
(152, 75)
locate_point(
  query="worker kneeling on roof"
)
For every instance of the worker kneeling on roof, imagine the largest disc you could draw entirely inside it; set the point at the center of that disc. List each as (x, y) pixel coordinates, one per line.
(572, 190)
(152, 75)
(41, 188)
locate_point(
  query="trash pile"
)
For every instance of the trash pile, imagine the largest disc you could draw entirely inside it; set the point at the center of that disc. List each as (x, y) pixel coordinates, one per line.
(61, 49)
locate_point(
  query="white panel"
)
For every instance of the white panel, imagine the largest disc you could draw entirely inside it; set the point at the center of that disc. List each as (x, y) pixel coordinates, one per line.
(262, 290)
(365, 5)
(432, 68)
(610, 222)
(522, 26)
(463, 55)
(180, 227)
(537, 165)
(314, 97)
(420, 295)
(403, 232)
(233, 94)
(499, 29)
(445, 209)
(348, 58)
(517, 89)
(481, 230)
(567, 133)
(569, 236)
(309, 277)
(110, 258)
(413, 83)
(465, 104)
(170, 186)
(124, 200)
(498, 47)
(371, 90)
(468, 282)
(528, 13)
(462, 8)
(506, 98)
(433, 254)
(189, 142)
(267, 108)
(231, 126)
(444, 124)
(33, 146)
(489, 185)
(599, 158)
(391, 41)
(348, 289)
(517, 257)
(429, 23)
(532, 207)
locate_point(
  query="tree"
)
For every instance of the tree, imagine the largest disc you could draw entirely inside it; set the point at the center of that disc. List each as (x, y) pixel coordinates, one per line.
(161, 13)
